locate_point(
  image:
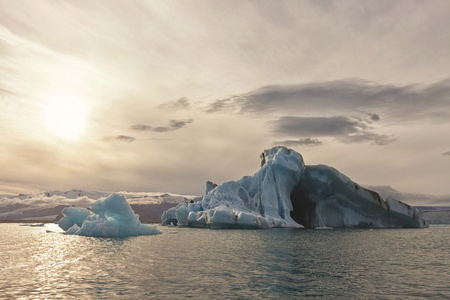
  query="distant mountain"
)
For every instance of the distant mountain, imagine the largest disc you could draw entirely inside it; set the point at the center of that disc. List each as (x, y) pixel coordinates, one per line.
(416, 199)
(47, 206)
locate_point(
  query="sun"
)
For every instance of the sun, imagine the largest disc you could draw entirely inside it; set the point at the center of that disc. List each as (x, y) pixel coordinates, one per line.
(65, 114)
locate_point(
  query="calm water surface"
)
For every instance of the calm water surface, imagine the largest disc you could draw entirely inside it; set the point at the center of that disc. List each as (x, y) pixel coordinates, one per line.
(226, 264)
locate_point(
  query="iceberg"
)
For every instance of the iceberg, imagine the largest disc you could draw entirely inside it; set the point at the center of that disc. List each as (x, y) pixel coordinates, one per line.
(112, 217)
(287, 193)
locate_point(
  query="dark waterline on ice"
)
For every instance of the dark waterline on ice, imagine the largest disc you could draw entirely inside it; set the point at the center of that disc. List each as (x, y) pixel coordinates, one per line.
(218, 264)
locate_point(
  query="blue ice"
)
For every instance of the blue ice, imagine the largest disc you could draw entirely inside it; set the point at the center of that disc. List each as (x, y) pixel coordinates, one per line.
(258, 201)
(112, 217)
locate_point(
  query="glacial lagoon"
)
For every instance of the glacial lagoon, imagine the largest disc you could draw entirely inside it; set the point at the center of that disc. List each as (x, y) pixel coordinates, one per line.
(42, 262)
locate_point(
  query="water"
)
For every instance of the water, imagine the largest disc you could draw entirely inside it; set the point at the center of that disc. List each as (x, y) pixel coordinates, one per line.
(227, 264)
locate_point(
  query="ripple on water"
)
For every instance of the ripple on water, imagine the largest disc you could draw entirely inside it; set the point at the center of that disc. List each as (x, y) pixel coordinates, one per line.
(208, 264)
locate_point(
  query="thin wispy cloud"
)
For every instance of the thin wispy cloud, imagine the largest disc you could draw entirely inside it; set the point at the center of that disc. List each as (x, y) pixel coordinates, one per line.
(300, 142)
(180, 104)
(173, 125)
(119, 138)
(366, 136)
(446, 153)
(223, 105)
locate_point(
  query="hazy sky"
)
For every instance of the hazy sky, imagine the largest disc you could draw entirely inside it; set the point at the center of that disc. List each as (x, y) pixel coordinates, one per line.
(180, 92)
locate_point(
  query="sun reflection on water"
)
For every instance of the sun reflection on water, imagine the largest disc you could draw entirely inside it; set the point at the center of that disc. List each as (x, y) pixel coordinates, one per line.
(284, 263)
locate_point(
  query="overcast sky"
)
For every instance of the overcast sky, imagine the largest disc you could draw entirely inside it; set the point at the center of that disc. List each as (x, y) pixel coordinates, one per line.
(180, 92)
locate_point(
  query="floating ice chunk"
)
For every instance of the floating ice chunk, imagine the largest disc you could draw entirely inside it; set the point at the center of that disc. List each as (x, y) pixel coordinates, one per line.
(110, 217)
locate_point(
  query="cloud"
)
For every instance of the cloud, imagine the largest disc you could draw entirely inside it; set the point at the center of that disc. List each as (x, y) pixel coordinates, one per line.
(446, 153)
(343, 109)
(342, 128)
(407, 102)
(374, 117)
(373, 138)
(119, 138)
(173, 125)
(299, 142)
(180, 104)
(317, 126)
(222, 105)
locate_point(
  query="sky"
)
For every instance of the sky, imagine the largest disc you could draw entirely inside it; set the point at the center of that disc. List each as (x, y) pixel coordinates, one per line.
(175, 93)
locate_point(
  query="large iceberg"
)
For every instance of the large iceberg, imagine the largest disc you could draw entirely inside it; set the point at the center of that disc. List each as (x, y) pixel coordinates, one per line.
(286, 193)
(111, 217)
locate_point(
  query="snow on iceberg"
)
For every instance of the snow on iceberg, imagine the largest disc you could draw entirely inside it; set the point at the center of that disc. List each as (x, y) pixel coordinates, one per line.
(112, 217)
(286, 193)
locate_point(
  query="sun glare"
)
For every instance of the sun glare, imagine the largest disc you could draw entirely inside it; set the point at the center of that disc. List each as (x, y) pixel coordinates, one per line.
(65, 115)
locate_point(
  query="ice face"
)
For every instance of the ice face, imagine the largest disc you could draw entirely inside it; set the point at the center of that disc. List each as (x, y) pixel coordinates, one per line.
(286, 193)
(326, 198)
(109, 218)
(73, 216)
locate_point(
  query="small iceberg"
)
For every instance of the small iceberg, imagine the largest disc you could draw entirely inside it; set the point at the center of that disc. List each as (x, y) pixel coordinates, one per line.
(112, 217)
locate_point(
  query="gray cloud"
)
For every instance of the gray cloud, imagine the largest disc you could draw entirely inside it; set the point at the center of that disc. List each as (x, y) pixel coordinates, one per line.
(317, 126)
(359, 104)
(342, 128)
(446, 153)
(299, 142)
(173, 125)
(366, 136)
(374, 117)
(407, 102)
(180, 104)
(119, 138)
(222, 105)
